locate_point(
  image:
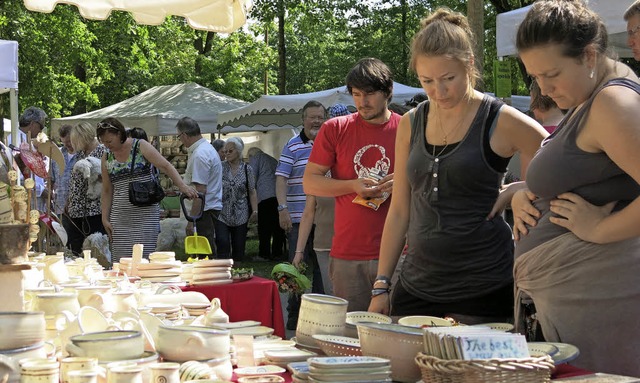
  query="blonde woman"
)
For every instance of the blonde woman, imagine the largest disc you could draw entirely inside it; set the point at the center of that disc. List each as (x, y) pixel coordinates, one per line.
(83, 208)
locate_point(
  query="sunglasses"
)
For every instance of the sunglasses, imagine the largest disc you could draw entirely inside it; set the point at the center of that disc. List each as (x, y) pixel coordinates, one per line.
(105, 126)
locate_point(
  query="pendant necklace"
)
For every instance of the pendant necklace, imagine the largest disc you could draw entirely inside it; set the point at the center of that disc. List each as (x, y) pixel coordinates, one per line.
(445, 142)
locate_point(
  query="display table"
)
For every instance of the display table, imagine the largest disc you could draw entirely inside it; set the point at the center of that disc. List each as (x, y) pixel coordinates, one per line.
(255, 299)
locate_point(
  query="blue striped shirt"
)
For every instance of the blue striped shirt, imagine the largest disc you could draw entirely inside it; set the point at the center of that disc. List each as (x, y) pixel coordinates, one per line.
(293, 161)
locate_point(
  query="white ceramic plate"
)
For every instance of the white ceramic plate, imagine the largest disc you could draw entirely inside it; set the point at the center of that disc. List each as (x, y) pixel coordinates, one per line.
(234, 325)
(506, 327)
(171, 272)
(537, 349)
(424, 321)
(347, 362)
(254, 330)
(212, 282)
(259, 370)
(566, 353)
(220, 275)
(261, 379)
(213, 262)
(288, 355)
(206, 270)
(156, 266)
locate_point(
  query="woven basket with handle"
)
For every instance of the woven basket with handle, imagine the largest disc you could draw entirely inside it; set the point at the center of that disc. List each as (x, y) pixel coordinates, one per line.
(526, 370)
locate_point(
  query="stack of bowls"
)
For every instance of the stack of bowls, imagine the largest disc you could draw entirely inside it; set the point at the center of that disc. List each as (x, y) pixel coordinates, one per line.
(22, 335)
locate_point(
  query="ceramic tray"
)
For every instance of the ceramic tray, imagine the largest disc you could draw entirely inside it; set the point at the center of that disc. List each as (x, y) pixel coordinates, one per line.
(347, 362)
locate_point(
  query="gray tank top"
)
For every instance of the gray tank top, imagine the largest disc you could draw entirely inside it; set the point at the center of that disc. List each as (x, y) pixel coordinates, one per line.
(454, 252)
(560, 166)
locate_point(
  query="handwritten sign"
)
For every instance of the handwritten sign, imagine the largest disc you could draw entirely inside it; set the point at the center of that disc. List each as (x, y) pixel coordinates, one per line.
(493, 346)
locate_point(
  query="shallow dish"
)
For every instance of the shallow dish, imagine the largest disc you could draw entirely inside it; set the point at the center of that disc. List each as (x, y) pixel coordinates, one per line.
(288, 355)
(424, 321)
(506, 327)
(348, 362)
(566, 352)
(261, 379)
(355, 317)
(334, 345)
(259, 370)
(541, 348)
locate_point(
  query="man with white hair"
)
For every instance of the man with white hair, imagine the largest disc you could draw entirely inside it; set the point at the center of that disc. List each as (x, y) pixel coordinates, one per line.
(204, 173)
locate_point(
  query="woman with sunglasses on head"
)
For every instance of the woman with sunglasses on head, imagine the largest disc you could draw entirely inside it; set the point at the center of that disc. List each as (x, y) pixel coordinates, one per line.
(125, 223)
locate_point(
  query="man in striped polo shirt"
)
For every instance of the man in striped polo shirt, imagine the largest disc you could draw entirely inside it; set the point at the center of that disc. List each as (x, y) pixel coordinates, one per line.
(291, 197)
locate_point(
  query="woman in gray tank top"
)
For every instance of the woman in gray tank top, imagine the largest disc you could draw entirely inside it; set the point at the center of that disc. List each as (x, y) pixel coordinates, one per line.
(451, 155)
(578, 254)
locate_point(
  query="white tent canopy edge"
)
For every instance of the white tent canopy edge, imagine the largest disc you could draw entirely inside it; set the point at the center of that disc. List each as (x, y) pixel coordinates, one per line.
(9, 78)
(221, 16)
(610, 11)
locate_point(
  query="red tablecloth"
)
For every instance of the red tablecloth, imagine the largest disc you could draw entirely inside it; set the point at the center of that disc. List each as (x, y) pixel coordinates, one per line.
(255, 299)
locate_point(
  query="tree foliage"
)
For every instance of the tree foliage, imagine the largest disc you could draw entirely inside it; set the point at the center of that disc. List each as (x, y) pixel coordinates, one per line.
(69, 65)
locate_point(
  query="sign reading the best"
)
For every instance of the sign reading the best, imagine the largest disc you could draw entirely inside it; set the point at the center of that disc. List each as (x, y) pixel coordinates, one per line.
(502, 78)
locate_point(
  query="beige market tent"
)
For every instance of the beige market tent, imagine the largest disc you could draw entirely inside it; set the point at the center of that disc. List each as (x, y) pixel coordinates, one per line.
(223, 16)
(158, 109)
(275, 112)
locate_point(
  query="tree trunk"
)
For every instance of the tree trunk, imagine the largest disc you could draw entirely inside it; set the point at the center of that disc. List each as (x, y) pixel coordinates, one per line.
(282, 56)
(475, 13)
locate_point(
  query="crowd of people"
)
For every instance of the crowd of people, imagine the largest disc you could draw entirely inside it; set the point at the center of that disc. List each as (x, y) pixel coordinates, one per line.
(357, 191)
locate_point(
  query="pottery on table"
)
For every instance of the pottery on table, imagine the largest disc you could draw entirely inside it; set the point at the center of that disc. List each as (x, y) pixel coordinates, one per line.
(183, 343)
(320, 314)
(107, 345)
(20, 329)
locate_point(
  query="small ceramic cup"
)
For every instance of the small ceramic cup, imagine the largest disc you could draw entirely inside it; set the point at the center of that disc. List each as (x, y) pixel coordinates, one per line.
(44, 371)
(125, 374)
(76, 363)
(164, 372)
(83, 376)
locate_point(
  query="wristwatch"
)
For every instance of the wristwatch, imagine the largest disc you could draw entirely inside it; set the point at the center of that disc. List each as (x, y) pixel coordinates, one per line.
(281, 207)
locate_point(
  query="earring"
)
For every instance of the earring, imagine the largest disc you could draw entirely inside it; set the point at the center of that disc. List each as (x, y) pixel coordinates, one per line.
(593, 71)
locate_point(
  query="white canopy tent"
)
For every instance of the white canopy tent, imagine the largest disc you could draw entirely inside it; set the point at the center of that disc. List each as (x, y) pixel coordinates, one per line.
(158, 109)
(9, 79)
(284, 111)
(224, 16)
(610, 11)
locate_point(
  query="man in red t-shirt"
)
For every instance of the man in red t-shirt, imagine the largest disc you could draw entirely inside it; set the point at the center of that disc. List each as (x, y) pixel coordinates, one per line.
(359, 150)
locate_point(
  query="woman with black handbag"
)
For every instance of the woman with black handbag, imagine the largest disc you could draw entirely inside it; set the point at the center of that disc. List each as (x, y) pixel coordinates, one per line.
(130, 210)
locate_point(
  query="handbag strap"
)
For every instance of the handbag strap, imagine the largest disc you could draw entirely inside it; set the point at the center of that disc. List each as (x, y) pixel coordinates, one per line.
(133, 158)
(154, 172)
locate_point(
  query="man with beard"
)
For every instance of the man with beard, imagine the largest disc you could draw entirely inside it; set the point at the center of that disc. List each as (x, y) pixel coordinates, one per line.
(291, 197)
(359, 150)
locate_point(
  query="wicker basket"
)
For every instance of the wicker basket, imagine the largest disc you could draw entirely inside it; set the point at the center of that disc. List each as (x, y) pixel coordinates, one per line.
(526, 370)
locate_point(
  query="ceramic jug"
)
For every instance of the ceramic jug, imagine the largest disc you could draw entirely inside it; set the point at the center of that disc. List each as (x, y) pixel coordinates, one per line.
(215, 314)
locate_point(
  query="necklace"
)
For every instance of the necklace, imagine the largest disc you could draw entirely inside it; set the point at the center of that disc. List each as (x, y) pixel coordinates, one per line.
(445, 135)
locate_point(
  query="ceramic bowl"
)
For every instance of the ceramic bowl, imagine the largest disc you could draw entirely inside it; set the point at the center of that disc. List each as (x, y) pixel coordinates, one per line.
(424, 321)
(20, 329)
(184, 343)
(355, 317)
(107, 345)
(400, 344)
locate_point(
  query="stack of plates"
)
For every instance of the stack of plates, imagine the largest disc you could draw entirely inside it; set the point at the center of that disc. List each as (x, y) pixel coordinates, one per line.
(163, 257)
(125, 263)
(211, 272)
(282, 357)
(167, 311)
(350, 369)
(299, 371)
(196, 309)
(160, 271)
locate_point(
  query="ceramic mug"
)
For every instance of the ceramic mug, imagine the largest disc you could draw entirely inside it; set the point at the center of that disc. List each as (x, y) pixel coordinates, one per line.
(44, 371)
(75, 363)
(83, 376)
(125, 374)
(166, 372)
